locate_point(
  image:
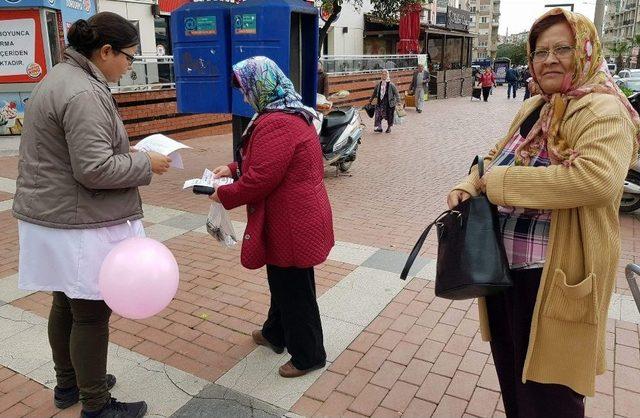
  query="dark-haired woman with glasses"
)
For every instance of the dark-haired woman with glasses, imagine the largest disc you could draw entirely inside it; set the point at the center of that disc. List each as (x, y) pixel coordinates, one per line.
(557, 179)
(76, 198)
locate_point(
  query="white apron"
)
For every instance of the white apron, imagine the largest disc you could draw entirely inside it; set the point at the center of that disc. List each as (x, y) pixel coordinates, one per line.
(68, 260)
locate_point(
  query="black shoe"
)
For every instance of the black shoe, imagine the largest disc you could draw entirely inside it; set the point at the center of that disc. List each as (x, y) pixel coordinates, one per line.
(419, 110)
(388, 130)
(115, 409)
(377, 130)
(65, 398)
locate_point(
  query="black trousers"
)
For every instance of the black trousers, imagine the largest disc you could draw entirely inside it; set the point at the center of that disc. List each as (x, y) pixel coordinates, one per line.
(294, 318)
(485, 93)
(79, 337)
(510, 315)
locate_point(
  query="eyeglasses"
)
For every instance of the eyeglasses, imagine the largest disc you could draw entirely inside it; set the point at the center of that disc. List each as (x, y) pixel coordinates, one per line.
(130, 57)
(560, 52)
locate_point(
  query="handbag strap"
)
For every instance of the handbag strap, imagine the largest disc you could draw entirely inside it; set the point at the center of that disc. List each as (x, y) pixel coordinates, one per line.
(416, 248)
(479, 161)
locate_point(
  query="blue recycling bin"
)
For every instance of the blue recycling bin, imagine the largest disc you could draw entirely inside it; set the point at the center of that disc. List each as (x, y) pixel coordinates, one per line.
(285, 31)
(202, 57)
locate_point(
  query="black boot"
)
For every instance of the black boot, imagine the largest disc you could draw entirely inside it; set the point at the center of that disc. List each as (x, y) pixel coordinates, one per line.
(65, 398)
(388, 130)
(115, 409)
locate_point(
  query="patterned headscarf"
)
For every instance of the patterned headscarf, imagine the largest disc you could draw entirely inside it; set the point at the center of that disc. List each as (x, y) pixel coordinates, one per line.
(591, 75)
(265, 87)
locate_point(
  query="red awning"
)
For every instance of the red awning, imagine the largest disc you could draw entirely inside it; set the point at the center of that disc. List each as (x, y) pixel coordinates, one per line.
(409, 30)
(168, 6)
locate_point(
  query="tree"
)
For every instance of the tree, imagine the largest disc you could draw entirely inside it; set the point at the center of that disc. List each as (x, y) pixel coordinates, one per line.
(517, 53)
(620, 49)
(386, 9)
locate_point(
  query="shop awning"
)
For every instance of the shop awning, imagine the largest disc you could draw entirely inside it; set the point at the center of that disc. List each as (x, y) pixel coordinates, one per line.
(168, 6)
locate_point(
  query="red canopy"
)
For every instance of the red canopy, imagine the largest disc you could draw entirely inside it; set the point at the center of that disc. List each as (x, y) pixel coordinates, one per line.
(168, 6)
(410, 29)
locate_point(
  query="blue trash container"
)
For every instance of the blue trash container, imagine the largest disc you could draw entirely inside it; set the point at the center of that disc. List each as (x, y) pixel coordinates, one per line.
(285, 31)
(202, 57)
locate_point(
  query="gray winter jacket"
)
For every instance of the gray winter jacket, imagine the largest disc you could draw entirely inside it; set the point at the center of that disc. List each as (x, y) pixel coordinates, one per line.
(75, 169)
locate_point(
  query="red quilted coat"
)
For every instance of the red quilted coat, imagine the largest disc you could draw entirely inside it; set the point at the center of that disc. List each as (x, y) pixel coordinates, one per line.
(289, 220)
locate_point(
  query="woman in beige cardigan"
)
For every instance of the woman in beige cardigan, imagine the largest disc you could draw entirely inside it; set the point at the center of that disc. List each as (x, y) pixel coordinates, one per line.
(557, 179)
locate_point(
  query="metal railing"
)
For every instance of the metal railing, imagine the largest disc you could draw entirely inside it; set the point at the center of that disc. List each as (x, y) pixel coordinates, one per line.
(353, 64)
(147, 73)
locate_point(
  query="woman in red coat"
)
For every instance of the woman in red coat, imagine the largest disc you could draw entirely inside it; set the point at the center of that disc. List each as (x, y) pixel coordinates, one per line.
(488, 81)
(279, 177)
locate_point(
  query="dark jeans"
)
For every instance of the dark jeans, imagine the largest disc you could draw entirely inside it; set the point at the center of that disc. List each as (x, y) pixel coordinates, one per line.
(512, 87)
(510, 315)
(294, 318)
(527, 93)
(79, 337)
(485, 93)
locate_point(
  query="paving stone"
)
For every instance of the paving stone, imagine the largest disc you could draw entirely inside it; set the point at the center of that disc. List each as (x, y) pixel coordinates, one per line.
(394, 261)
(188, 221)
(368, 400)
(218, 401)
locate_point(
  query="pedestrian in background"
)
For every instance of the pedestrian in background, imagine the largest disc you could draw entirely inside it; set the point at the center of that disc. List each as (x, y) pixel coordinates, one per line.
(279, 177)
(419, 85)
(512, 81)
(557, 178)
(526, 79)
(322, 80)
(487, 81)
(386, 97)
(76, 199)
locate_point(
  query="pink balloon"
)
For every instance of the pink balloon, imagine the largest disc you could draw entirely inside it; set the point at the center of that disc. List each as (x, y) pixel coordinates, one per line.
(138, 278)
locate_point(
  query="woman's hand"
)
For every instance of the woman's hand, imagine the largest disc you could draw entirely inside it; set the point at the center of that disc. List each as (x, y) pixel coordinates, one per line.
(222, 171)
(483, 185)
(215, 197)
(456, 197)
(159, 163)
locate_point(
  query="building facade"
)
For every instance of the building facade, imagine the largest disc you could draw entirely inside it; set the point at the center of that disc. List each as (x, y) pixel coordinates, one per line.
(485, 21)
(622, 21)
(515, 38)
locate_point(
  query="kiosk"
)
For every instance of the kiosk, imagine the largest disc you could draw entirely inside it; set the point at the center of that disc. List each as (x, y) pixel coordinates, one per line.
(32, 41)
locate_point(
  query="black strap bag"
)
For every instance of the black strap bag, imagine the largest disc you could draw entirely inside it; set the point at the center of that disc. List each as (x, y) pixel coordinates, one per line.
(370, 109)
(471, 257)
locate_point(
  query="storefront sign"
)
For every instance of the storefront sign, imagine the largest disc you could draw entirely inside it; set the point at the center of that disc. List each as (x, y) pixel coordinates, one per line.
(21, 47)
(245, 24)
(200, 26)
(458, 19)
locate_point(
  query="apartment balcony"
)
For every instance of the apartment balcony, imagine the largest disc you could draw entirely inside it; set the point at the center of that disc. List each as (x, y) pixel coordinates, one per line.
(495, 23)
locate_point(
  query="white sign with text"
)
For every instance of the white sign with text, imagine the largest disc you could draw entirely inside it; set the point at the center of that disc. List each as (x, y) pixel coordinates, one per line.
(17, 46)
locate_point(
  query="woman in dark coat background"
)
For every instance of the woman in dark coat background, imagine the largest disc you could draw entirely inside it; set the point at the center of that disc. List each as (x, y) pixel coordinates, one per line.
(386, 97)
(289, 221)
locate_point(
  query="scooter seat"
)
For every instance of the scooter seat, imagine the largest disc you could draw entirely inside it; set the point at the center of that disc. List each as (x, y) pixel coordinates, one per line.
(337, 118)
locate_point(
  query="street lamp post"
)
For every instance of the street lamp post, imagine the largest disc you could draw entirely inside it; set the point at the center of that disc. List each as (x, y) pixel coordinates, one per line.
(560, 5)
(599, 16)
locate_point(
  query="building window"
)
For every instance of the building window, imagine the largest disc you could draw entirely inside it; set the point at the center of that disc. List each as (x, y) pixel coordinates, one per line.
(484, 19)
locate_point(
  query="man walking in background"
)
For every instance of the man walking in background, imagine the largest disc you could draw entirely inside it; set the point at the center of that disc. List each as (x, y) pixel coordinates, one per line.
(419, 85)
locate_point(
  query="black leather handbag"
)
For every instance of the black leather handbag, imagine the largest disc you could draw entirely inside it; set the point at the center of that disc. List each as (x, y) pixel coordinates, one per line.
(471, 258)
(370, 109)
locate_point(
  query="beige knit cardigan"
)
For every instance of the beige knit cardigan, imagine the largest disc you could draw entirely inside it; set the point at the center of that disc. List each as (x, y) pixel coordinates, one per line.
(567, 339)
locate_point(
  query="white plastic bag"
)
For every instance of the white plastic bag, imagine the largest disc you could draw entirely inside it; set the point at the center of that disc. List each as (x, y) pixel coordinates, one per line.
(220, 227)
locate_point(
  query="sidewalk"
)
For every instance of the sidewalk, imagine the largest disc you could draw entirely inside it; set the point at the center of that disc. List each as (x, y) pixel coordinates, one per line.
(394, 349)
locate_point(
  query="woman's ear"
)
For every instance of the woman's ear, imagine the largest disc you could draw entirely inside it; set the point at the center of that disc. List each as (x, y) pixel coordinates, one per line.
(105, 50)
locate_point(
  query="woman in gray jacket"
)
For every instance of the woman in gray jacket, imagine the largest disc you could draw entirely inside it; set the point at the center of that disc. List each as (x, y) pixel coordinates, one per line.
(386, 97)
(76, 198)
